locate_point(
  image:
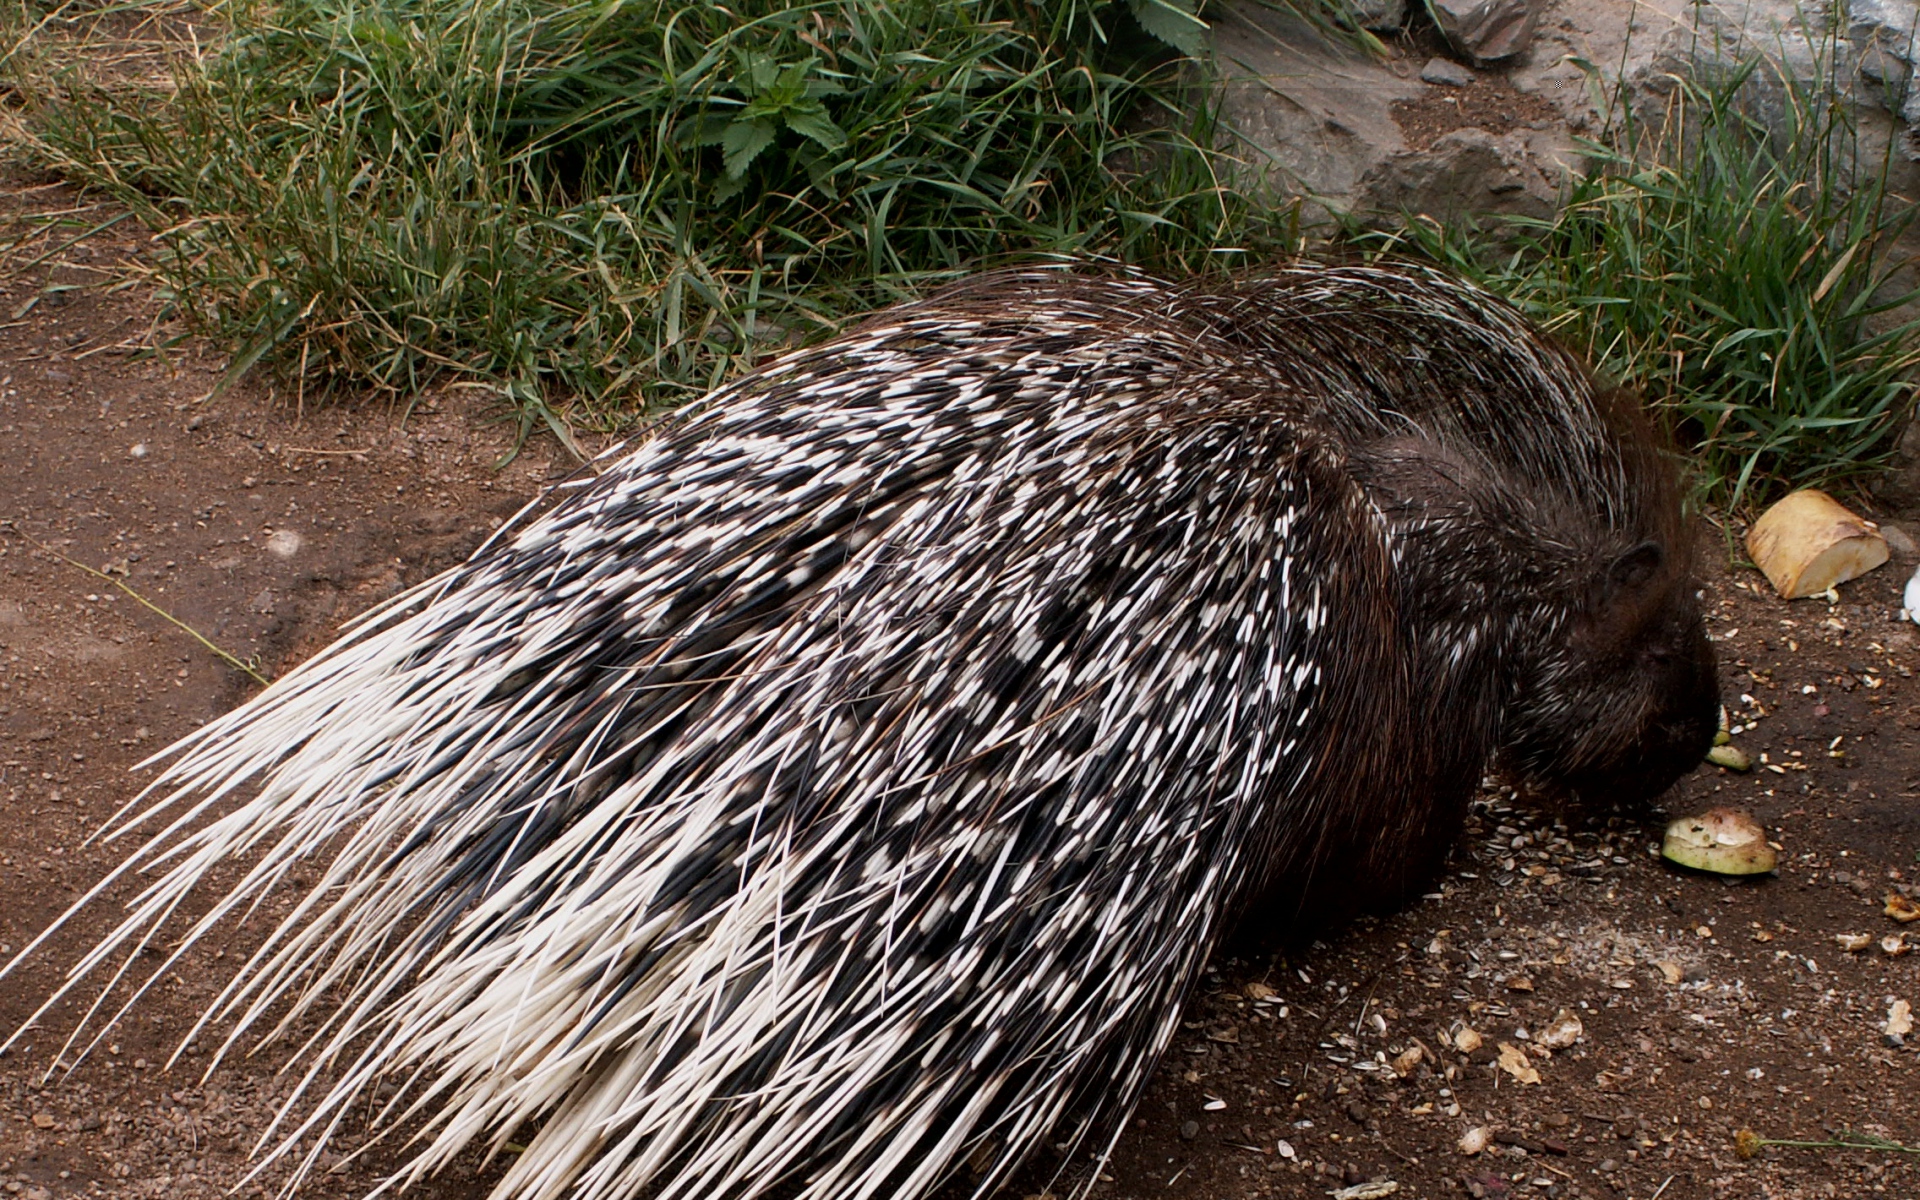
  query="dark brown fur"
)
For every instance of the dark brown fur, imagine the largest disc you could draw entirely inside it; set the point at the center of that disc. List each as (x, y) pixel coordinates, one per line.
(1543, 520)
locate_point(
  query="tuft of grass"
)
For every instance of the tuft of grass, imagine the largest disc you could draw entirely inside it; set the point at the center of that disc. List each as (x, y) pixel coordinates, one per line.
(1742, 278)
(608, 205)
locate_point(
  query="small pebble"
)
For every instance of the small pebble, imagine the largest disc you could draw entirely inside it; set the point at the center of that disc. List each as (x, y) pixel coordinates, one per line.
(1445, 73)
(1898, 540)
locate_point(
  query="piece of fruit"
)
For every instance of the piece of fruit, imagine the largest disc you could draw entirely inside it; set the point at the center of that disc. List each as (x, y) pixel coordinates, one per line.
(1733, 758)
(1726, 841)
(1809, 542)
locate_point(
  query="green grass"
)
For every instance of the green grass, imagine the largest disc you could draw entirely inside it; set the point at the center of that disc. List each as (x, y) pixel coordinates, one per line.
(599, 208)
(1741, 278)
(609, 206)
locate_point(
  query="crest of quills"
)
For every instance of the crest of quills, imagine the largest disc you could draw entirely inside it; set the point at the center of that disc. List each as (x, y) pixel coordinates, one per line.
(846, 788)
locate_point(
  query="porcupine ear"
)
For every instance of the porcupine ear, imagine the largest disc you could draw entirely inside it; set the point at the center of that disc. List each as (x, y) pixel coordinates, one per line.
(1637, 565)
(1629, 573)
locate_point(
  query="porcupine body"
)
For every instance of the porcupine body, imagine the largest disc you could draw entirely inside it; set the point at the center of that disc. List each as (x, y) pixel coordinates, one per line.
(850, 781)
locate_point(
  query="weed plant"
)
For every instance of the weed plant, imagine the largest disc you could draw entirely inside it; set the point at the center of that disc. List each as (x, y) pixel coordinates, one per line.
(625, 202)
(1741, 277)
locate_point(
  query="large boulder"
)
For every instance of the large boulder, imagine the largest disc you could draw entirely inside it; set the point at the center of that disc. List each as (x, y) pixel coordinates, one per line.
(1313, 116)
(1331, 124)
(1882, 35)
(1487, 31)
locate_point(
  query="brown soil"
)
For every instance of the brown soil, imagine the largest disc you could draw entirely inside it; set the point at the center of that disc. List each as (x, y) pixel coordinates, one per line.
(1705, 1006)
(260, 529)
(1490, 102)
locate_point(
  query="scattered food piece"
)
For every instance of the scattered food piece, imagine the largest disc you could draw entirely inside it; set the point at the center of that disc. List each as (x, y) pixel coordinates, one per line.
(1466, 1041)
(1899, 1023)
(1671, 971)
(1260, 991)
(1901, 908)
(1733, 758)
(1405, 1061)
(1285, 1149)
(1366, 1191)
(1853, 943)
(1520, 983)
(1725, 841)
(1809, 543)
(1893, 945)
(1564, 1030)
(1514, 1061)
(1474, 1140)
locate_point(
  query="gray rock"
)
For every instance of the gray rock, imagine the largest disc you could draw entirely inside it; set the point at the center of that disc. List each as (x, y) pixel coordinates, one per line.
(1322, 121)
(1445, 73)
(1314, 116)
(1799, 53)
(1468, 171)
(1318, 121)
(1487, 31)
(1882, 33)
(1899, 541)
(1381, 16)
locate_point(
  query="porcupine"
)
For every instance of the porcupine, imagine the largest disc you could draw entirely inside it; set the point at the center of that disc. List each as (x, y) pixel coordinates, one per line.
(849, 782)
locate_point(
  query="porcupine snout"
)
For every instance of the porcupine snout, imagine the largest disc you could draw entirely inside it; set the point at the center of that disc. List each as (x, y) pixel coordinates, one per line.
(1635, 702)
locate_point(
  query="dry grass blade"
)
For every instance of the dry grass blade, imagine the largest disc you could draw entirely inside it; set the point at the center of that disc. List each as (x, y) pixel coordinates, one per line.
(224, 656)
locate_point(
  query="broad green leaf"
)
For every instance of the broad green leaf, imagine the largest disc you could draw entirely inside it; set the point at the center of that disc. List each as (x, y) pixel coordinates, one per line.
(743, 143)
(1175, 22)
(811, 121)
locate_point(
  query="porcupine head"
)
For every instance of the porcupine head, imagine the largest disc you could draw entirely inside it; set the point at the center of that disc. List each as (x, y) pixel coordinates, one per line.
(1616, 694)
(1543, 575)
(1553, 617)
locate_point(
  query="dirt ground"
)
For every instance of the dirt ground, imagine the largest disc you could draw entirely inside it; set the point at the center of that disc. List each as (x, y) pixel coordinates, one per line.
(1683, 1008)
